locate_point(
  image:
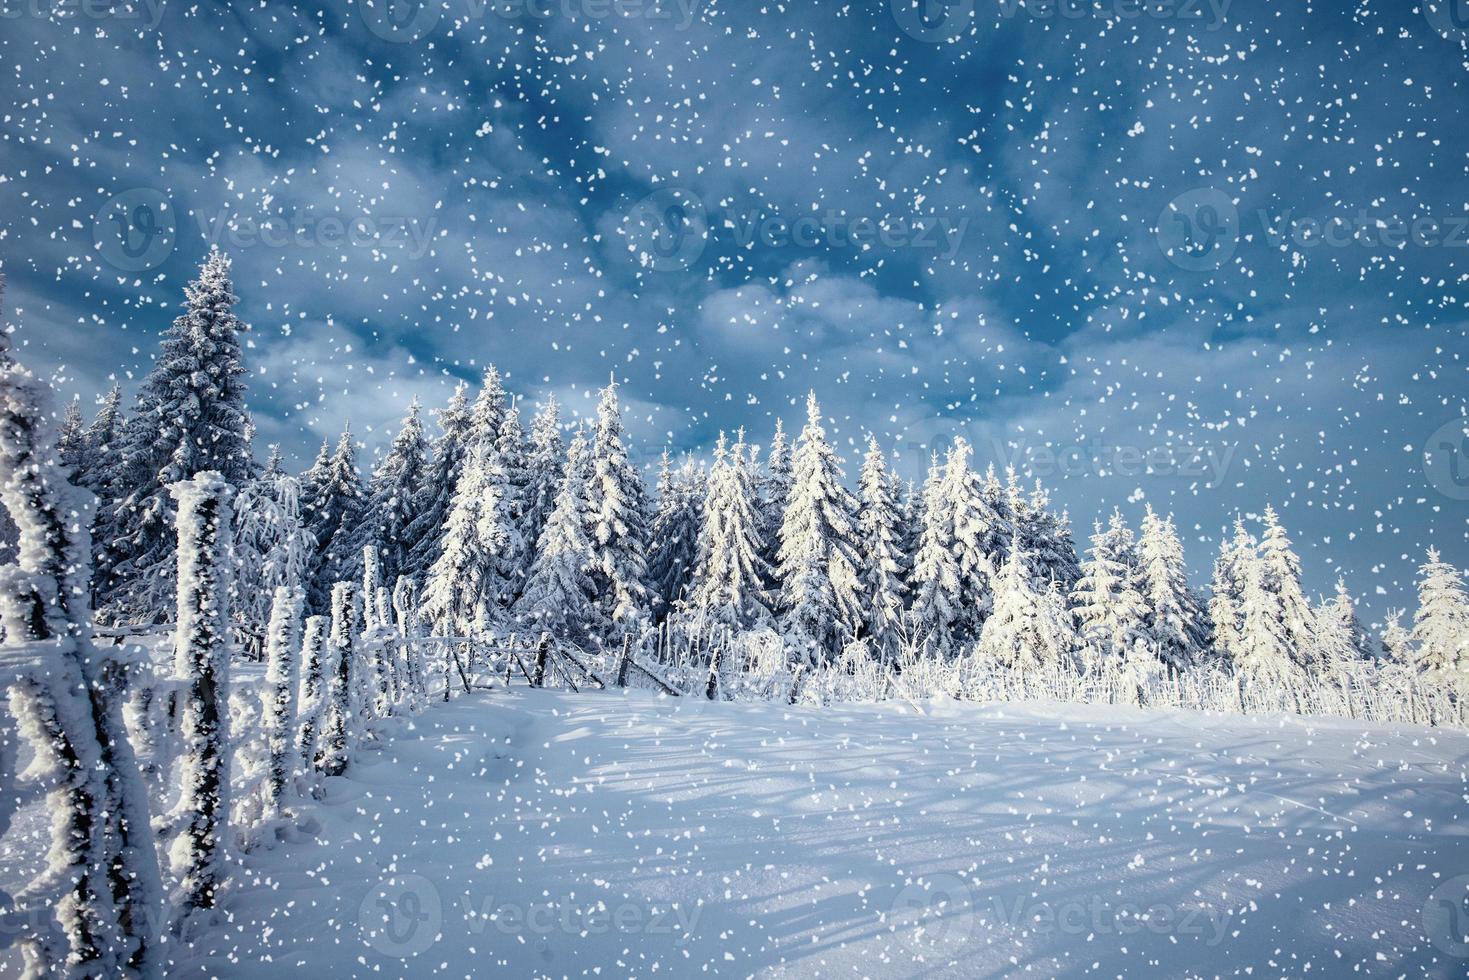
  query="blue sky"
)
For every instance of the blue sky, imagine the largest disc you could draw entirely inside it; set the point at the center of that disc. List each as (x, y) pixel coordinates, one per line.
(1090, 236)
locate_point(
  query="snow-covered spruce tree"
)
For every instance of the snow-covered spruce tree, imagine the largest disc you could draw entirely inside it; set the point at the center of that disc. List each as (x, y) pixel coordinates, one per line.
(1282, 576)
(1340, 638)
(278, 699)
(334, 745)
(820, 598)
(775, 489)
(467, 590)
(543, 468)
(935, 577)
(677, 523)
(883, 569)
(1175, 618)
(336, 501)
(1029, 627)
(102, 883)
(446, 459)
(617, 506)
(272, 550)
(1440, 638)
(71, 441)
(393, 498)
(729, 587)
(198, 850)
(1397, 642)
(316, 671)
(1110, 613)
(1267, 652)
(1046, 537)
(558, 595)
(103, 437)
(513, 561)
(189, 418)
(1226, 593)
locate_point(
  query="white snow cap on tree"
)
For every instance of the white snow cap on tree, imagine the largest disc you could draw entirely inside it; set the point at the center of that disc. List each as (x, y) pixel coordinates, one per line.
(1440, 638)
(729, 580)
(1282, 576)
(1175, 616)
(617, 508)
(558, 595)
(883, 569)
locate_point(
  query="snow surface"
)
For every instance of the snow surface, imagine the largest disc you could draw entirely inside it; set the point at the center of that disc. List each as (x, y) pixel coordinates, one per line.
(540, 833)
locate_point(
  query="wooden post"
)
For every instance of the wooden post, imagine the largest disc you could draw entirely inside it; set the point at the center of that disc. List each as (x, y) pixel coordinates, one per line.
(543, 650)
(622, 664)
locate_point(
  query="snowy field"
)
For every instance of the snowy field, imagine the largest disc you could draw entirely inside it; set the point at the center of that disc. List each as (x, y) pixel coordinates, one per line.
(558, 835)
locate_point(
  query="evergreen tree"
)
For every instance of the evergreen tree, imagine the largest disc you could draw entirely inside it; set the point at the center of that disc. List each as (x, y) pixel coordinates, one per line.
(1175, 615)
(190, 418)
(558, 595)
(820, 593)
(1282, 576)
(514, 453)
(543, 472)
(427, 527)
(775, 490)
(104, 440)
(729, 581)
(1340, 639)
(71, 441)
(336, 502)
(1110, 613)
(616, 503)
(1440, 638)
(1397, 642)
(1029, 626)
(272, 550)
(677, 524)
(398, 490)
(937, 596)
(1226, 613)
(1046, 537)
(883, 568)
(1267, 653)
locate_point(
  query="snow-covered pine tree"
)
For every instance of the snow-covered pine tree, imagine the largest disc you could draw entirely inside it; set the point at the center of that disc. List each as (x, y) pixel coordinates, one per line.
(336, 508)
(446, 459)
(102, 882)
(334, 745)
(272, 550)
(775, 489)
(1440, 638)
(821, 597)
(937, 594)
(513, 561)
(275, 463)
(1175, 616)
(1340, 639)
(617, 505)
(1047, 538)
(1266, 653)
(399, 487)
(104, 436)
(729, 582)
(1029, 626)
(1397, 642)
(278, 698)
(1226, 615)
(71, 441)
(1109, 612)
(190, 418)
(558, 595)
(199, 848)
(1282, 576)
(467, 590)
(677, 524)
(543, 473)
(883, 570)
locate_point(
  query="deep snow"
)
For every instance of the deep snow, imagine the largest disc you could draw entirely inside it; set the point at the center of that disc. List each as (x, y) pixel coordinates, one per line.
(622, 834)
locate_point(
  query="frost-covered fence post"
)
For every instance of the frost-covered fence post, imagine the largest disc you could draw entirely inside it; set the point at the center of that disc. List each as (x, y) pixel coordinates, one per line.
(278, 711)
(336, 734)
(314, 673)
(414, 686)
(375, 639)
(201, 667)
(102, 882)
(543, 651)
